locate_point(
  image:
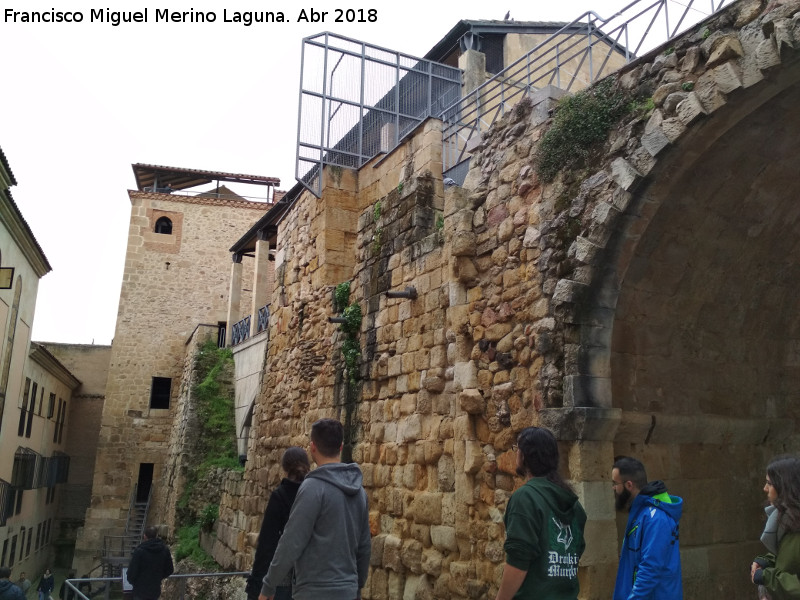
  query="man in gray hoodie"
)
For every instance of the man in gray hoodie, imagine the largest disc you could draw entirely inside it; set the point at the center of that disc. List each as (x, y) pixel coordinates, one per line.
(327, 537)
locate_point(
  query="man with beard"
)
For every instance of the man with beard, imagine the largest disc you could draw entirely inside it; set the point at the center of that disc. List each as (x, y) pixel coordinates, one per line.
(544, 525)
(650, 561)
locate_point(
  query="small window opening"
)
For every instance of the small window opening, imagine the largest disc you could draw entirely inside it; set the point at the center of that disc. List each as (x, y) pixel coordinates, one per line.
(164, 225)
(159, 392)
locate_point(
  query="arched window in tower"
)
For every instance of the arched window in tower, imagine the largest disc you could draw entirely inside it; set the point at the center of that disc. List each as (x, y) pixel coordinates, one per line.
(164, 225)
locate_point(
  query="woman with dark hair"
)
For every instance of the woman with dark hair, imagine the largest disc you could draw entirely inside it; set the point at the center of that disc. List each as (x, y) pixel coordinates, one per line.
(295, 465)
(777, 573)
(46, 585)
(544, 525)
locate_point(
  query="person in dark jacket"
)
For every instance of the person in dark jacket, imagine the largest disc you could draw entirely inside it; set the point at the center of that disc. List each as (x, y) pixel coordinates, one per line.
(150, 564)
(327, 538)
(544, 525)
(8, 590)
(65, 592)
(295, 465)
(46, 585)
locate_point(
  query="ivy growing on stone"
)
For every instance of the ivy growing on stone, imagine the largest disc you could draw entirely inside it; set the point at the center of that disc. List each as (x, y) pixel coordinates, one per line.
(351, 347)
(212, 396)
(341, 296)
(581, 122)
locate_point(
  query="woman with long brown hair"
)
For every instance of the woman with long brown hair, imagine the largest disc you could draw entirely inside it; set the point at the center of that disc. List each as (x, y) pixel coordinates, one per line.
(777, 573)
(296, 465)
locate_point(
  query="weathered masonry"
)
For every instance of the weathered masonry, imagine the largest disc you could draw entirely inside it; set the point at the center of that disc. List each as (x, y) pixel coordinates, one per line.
(641, 305)
(174, 294)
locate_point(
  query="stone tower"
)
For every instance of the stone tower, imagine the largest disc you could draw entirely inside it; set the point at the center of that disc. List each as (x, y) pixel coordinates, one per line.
(176, 278)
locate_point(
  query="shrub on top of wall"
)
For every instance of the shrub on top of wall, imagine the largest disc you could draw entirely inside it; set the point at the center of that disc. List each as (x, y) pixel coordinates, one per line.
(580, 123)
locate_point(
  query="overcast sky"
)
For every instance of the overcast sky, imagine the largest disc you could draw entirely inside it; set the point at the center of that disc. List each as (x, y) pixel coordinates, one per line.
(82, 102)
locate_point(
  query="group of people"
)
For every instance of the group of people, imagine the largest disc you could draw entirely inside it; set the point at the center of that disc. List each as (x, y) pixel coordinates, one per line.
(18, 590)
(545, 523)
(315, 537)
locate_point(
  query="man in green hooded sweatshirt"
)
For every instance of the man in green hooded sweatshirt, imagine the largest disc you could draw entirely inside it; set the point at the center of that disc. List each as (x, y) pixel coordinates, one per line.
(544, 526)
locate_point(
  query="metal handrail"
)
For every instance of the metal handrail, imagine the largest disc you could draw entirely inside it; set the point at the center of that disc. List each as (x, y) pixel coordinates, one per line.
(240, 331)
(263, 319)
(183, 577)
(628, 33)
(208, 194)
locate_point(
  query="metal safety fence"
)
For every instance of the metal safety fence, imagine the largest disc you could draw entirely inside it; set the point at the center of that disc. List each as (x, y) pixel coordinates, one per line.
(357, 100)
(577, 55)
(111, 588)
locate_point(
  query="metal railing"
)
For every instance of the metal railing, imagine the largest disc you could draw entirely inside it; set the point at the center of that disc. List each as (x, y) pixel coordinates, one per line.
(577, 55)
(357, 100)
(263, 319)
(240, 331)
(268, 199)
(116, 585)
(117, 549)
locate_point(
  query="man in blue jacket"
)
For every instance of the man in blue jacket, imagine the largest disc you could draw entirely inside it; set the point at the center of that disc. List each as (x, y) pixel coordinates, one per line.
(650, 561)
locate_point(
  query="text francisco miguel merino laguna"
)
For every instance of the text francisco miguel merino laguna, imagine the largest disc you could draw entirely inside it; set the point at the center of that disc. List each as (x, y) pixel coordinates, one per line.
(164, 15)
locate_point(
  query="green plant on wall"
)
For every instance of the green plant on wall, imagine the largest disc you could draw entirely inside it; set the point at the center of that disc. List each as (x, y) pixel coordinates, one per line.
(642, 107)
(341, 296)
(214, 403)
(351, 327)
(580, 123)
(377, 236)
(216, 445)
(377, 240)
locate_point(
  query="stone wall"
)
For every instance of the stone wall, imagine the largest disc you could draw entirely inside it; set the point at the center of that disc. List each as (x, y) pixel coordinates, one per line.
(512, 326)
(171, 283)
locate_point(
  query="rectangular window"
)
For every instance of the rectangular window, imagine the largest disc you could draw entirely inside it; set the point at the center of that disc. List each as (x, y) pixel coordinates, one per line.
(24, 407)
(61, 425)
(22, 544)
(51, 406)
(58, 422)
(5, 552)
(30, 417)
(30, 539)
(23, 417)
(160, 392)
(18, 508)
(38, 535)
(26, 391)
(34, 389)
(11, 499)
(49, 523)
(13, 554)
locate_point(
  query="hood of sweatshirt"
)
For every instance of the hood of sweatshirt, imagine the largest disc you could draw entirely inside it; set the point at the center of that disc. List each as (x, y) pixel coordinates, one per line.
(5, 584)
(655, 494)
(346, 476)
(561, 500)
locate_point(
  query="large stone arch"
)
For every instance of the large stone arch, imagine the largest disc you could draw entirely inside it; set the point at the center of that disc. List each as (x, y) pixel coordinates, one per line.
(681, 322)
